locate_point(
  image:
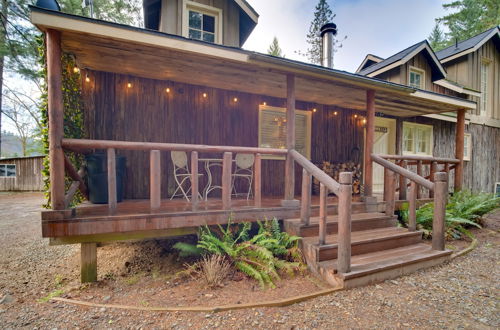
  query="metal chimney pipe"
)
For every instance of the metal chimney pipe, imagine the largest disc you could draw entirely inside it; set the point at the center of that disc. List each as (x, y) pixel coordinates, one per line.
(328, 32)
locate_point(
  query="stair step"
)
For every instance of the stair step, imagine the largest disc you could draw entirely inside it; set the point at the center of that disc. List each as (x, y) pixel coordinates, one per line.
(381, 265)
(362, 242)
(359, 222)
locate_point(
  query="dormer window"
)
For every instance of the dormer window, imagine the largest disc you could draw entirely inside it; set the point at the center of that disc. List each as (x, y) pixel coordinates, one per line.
(416, 78)
(202, 22)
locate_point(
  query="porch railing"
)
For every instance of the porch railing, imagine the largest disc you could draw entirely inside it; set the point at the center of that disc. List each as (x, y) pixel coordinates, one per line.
(439, 186)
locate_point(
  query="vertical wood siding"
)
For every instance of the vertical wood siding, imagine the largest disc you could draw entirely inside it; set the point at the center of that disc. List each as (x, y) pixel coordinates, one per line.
(28, 175)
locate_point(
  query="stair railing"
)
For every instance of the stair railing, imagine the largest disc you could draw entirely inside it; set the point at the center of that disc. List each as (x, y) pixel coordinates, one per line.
(343, 189)
(439, 187)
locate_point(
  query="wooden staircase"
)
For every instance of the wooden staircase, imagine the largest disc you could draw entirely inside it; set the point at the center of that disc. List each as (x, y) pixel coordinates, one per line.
(379, 249)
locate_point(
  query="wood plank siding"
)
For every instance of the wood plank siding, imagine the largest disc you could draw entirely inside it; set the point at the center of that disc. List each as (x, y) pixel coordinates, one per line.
(146, 112)
(28, 174)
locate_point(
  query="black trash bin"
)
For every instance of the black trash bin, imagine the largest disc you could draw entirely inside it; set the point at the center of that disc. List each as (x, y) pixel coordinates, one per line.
(97, 177)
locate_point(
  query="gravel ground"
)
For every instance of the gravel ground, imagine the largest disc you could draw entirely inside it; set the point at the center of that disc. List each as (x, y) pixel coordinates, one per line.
(460, 294)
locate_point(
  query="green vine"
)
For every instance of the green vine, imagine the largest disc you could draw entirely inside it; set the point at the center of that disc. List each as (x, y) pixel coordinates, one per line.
(73, 114)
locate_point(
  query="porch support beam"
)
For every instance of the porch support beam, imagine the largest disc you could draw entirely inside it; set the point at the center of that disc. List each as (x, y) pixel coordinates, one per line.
(369, 140)
(290, 142)
(459, 149)
(56, 124)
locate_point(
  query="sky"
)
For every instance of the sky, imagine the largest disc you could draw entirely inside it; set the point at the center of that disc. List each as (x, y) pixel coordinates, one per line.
(379, 27)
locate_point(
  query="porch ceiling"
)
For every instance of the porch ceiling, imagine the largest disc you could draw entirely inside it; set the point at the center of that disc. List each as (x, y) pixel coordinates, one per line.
(115, 48)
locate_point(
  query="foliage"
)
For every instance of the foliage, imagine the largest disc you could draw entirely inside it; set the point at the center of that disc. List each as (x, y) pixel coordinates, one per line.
(119, 11)
(437, 38)
(213, 270)
(275, 49)
(469, 18)
(261, 256)
(464, 209)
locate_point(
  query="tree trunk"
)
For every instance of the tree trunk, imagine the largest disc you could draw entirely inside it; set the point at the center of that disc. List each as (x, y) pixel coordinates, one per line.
(2, 59)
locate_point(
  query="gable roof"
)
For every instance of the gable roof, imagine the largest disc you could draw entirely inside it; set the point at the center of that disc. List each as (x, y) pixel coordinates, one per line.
(369, 60)
(468, 46)
(404, 56)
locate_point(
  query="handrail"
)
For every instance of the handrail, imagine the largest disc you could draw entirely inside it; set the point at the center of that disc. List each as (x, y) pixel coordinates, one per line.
(422, 158)
(129, 145)
(404, 172)
(315, 171)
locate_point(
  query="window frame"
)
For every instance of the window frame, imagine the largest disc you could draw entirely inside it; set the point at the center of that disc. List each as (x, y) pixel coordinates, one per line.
(308, 129)
(202, 9)
(414, 127)
(483, 102)
(6, 176)
(467, 146)
(419, 71)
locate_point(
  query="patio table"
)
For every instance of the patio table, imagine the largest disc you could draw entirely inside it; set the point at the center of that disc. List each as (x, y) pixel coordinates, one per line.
(208, 164)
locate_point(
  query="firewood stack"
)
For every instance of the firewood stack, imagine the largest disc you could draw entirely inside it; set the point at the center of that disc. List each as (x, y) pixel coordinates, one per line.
(334, 170)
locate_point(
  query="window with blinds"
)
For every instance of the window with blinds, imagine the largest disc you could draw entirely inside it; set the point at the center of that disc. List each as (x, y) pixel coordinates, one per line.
(272, 129)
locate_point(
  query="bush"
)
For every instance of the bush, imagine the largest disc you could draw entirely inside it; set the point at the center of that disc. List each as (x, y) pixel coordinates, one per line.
(213, 270)
(464, 209)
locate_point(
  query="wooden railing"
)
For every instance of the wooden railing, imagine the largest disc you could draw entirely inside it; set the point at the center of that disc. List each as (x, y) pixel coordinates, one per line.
(343, 189)
(439, 186)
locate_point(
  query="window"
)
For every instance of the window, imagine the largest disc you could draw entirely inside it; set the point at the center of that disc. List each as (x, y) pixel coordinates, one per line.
(272, 129)
(467, 146)
(7, 170)
(416, 78)
(417, 139)
(202, 22)
(485, 66)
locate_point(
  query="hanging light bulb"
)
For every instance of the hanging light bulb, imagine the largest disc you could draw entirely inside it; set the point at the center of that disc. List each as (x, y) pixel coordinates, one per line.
(364, 121)
(87, 79)
(129, 85)
(355, 116)
(264, 103)
(335, 113)
(314, 110)
(235, 99)
(76, 69)
(205, 95)
(167, 90)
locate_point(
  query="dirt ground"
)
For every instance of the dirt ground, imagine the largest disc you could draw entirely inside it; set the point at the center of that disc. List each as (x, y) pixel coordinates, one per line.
(460, 294)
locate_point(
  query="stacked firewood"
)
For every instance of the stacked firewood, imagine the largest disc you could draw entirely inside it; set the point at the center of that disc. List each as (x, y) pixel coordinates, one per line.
(334, 170)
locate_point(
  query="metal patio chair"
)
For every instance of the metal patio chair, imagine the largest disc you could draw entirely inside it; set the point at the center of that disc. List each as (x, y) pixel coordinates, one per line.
(243, 170)
(181, 174)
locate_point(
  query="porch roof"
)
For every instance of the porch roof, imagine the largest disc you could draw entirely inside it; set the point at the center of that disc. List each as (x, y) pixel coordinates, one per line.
(111, 47)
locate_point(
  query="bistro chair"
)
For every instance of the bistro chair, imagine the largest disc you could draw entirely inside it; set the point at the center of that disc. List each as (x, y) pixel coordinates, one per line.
(243, 170)
(181, 174)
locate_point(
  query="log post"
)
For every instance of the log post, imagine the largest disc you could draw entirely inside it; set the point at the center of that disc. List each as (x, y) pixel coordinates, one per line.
(419, 172)
(412, 207)
(111, 181)
(403, 183)
(369, 140)
(88, 262)
(257, 180)
(433, 170)
(154, 180)
(391, 193)
(226, 180)
(305, 204)
(56, 121)
(290, 141)
(459, 149)
(194, 180)
(323, 194)
(344, 223)
(440, 200)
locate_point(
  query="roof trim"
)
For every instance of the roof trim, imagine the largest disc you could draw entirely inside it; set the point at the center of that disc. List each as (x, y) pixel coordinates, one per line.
(21, 157)
(369, 57)
(245, 6)
(457, 87)
(472, 49)
(436, 97)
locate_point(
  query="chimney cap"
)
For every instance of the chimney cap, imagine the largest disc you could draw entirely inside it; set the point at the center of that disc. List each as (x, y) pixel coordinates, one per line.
(328, 27)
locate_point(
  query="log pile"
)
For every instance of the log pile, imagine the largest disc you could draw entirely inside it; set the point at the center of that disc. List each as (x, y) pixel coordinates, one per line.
(334, 170)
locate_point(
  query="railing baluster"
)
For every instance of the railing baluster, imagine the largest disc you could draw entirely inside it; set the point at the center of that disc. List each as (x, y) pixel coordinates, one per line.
(440, 200)
(386, 184)
(412, 207)
(155, 180)
(403, 183)
(226, 180)
(257, 180)
(323, 194)
(111, 181)
(433, 169)
(419, 173)
(391, 193)
(194, 180)
(305, 204)
(344, 222)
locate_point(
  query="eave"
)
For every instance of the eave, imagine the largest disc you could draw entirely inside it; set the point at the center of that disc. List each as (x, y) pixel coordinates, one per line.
(457, 88)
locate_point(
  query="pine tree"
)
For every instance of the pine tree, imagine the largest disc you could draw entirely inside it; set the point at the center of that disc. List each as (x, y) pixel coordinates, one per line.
(275, 49)
(437, 39)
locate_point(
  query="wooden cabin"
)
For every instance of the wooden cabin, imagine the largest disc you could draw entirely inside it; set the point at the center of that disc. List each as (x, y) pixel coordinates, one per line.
(470, 70)
(21, 174)
(149, 95)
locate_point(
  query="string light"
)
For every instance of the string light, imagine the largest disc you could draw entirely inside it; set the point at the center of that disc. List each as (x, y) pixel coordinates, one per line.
(264, 103)
(314, 110)
(76, 69)
(235, 99)
(204, 95)
(355, 116)
(129, 85)
(87, 79)
(364, 120)
(335, 113)
(167, 90)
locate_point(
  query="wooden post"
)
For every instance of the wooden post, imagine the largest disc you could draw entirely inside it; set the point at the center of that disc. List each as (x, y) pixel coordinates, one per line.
(290, 137)
(344, 224)
(412, 207)
(111, 181)
(154, 179)
(226, 180)
(369, 140)
(459, 149)
(403, 183)
(440, 200)
(399, 136)
(419, 172)
(323, 194)
(257, 180)
(386, 184)
(391, 193)
(56, 121)
(88, 262)
(305, 205)
(433, 170)
(194, 180)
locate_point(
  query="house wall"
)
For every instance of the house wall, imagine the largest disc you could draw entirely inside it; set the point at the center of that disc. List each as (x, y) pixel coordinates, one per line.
(28, 175)
(171, 18)
(146, 112)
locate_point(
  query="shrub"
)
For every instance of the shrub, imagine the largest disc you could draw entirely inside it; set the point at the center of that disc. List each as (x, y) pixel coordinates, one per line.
(213, 270)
